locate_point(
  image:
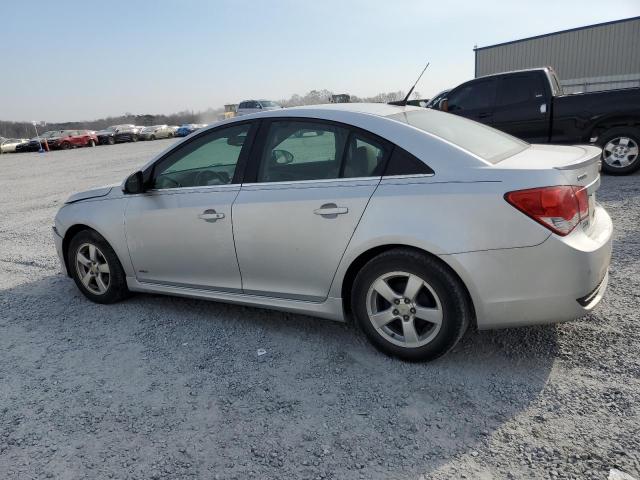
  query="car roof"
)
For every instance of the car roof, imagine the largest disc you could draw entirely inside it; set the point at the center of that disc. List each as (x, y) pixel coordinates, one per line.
(379, 109)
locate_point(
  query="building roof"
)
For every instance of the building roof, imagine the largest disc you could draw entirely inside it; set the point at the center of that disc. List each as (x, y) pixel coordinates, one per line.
(558, 32)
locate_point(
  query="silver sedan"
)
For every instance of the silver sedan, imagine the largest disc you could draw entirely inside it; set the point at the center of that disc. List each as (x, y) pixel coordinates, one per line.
(413, 222)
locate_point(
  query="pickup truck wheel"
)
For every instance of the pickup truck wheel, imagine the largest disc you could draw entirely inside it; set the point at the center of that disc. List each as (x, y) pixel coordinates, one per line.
(620, 150)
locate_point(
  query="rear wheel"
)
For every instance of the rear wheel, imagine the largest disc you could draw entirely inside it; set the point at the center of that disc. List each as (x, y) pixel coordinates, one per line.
(152, 137)
(410, 305)
(620, 150)
(134, 138)
(111, 141)
(65, 146)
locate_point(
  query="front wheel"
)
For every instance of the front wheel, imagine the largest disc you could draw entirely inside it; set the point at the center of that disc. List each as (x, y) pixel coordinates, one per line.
(134, 138)
(410, 305)
(95, 268)
(620, 150)
(65, 146)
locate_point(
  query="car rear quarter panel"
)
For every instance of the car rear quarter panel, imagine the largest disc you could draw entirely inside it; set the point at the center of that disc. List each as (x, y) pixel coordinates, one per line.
(441, 218)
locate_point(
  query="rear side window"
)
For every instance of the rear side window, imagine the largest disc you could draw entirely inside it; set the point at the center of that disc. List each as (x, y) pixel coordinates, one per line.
(296, 151)
(519, 89)
(364, 157)
(485, 142)
(403, 163)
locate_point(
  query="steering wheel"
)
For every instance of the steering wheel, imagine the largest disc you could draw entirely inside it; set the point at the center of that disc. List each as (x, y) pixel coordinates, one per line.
(205, 176)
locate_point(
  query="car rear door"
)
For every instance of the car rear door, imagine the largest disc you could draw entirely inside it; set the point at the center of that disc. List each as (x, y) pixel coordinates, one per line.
(307, 186)
(522, 108)
(474, 100)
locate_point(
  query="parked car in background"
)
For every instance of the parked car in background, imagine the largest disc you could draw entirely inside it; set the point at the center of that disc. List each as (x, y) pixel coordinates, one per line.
(118, 134)
(188, 129)
(35, 144)
(530, 105)
(155, 132)
(66, 139)
(253, 106)
(8, 145)
(371, 219)
(174, 129)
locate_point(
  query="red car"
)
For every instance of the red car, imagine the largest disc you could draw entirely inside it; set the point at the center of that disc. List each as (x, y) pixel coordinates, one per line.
(65, 139)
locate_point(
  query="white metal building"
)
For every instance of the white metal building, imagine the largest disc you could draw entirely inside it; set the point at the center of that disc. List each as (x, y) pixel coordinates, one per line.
(596, 57)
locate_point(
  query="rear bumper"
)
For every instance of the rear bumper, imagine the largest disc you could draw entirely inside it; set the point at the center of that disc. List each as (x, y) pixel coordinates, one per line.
(561, 279)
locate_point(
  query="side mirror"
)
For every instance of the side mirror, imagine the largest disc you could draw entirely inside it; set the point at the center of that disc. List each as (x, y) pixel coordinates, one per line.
(134, 184)
(443, 105)
(281, 157)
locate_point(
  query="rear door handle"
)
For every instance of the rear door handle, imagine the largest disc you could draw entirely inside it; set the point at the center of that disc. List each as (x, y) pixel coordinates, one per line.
(210, 215)
(331, 210)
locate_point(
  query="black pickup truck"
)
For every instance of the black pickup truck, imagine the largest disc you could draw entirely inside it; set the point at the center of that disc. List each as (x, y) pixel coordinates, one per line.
(529, 104)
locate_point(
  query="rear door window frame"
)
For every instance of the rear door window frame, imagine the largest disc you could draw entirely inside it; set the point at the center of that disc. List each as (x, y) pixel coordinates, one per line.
(257, 150)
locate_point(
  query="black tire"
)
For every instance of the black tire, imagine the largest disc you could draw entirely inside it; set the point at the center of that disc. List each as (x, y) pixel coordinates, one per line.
(65, 146)
(152, 137)
(456, 310)
(117, 287)
(611, 135)
(134, 138)
(111, 141)
(91, 143)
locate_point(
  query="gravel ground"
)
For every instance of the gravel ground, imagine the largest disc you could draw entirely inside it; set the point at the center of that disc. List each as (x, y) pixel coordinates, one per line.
(159, 387)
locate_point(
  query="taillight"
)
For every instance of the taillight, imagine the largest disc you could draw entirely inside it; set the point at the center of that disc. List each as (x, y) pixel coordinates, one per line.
(558, 208)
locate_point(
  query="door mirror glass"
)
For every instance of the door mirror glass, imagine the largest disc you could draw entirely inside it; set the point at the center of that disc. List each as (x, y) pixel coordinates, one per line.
(281, 157)
(134, 184)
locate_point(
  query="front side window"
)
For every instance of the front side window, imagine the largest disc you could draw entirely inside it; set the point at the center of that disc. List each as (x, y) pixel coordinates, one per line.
(296, 150)
(473, 96)
(208, 160)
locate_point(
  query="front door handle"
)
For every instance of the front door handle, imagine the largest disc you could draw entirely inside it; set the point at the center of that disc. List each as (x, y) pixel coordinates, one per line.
(210, 215)
(331, 210)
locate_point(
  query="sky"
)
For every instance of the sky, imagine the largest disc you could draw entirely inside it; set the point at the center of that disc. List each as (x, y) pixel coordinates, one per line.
(70, 60)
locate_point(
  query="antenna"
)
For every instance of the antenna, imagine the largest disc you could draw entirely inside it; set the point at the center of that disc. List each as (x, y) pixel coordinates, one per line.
(406, 99)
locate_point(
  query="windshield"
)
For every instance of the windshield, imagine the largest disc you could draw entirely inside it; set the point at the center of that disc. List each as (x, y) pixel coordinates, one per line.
(485, 142)
(268, 103)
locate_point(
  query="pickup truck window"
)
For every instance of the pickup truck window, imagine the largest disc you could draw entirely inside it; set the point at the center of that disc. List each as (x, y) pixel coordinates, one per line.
(474, 95)
(485, 142)
(519, 89)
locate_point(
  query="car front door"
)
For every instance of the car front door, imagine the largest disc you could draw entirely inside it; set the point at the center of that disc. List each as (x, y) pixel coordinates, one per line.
(521, 107)
(307, 186)
(474, 100)
(180, 232)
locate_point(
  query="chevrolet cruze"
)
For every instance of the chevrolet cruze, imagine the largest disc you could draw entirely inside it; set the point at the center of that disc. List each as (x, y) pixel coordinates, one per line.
(413, 222)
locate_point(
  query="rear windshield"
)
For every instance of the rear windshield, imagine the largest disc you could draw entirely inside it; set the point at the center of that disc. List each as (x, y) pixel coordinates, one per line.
(487, 143)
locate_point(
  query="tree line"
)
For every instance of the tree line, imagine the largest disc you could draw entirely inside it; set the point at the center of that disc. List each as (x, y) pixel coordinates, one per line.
(10, 129)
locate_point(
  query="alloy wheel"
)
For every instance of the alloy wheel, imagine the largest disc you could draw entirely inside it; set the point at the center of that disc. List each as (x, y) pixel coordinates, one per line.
(404, 309)
(620, 152)
(93, 269)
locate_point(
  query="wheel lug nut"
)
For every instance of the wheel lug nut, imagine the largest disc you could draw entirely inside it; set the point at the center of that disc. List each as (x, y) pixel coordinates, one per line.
(395, 312)
(406, 300)
(396, 301)
(406, 317)
(413, 310)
